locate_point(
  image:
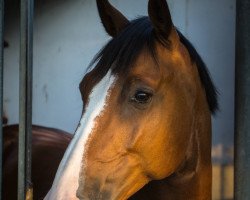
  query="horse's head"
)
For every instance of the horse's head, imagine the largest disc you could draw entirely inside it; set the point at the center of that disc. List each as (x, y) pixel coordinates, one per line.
(143, 105)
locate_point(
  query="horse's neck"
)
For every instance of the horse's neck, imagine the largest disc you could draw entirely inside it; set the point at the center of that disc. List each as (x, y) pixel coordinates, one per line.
(192, 181)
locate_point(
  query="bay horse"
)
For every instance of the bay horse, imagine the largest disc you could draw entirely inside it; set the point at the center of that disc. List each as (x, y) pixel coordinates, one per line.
(145, 131)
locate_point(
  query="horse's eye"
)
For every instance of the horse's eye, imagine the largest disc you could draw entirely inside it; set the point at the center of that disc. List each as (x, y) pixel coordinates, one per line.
(142, 97)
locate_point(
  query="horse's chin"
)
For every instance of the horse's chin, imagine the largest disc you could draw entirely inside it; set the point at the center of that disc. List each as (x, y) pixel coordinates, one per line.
(139, 194)
(110, 195)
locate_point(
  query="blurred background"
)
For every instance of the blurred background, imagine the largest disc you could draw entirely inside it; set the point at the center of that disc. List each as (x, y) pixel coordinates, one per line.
(67, 34)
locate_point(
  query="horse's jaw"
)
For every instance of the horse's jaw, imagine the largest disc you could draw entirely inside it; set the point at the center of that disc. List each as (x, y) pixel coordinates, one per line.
(66, 182)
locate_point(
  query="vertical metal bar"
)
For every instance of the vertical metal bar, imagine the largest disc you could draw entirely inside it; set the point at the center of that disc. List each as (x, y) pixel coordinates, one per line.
(25, 99)
(242, 106)
(1, 92)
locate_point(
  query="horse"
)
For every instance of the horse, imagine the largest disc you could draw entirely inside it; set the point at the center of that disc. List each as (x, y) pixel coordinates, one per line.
(145, 131)
(48, 146)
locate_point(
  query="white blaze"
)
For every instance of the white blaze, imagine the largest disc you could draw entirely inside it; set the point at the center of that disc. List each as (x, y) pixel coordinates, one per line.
(65, 184)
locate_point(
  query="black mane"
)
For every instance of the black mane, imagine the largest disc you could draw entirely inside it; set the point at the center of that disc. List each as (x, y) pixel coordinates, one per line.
(120, 54)
(211, 91)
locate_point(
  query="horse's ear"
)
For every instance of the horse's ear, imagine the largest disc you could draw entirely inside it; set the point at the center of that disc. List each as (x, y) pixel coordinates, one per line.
(160, 17)
(113, 21)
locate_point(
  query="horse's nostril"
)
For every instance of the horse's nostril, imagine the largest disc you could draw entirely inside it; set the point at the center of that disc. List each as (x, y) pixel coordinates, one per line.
(93, 191)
